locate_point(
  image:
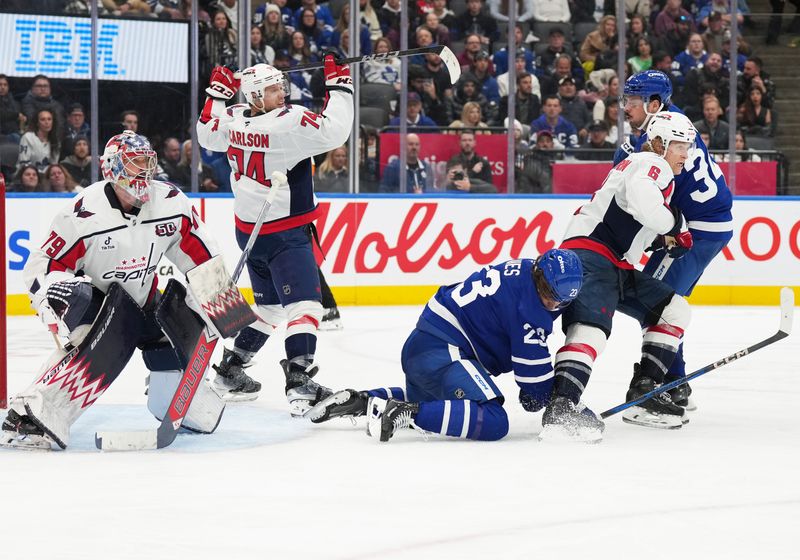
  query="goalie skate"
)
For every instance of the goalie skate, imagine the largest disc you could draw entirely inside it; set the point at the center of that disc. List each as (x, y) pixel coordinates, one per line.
(20, 433)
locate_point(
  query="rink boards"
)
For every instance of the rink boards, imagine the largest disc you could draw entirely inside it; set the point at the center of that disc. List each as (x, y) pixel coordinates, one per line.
(389, 250)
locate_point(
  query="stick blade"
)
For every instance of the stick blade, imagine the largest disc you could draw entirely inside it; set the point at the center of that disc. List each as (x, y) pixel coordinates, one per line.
(452, 64)
(125, 441)
(787, 309)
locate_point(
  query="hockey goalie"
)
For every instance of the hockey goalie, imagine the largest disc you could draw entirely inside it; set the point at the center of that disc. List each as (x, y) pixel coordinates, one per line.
(93, 283)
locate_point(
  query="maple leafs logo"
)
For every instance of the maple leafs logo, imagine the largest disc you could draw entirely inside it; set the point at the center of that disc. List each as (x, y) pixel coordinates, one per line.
(80, 211)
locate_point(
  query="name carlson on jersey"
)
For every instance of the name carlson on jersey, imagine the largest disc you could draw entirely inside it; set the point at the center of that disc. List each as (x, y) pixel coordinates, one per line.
(249, 139)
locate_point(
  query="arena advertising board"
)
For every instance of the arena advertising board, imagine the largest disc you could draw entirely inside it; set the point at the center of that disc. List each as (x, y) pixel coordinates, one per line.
(397, 250)
(60, 47)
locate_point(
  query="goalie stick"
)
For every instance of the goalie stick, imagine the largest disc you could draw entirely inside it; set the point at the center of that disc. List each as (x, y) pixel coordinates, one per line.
(787, 314)
(195, 368)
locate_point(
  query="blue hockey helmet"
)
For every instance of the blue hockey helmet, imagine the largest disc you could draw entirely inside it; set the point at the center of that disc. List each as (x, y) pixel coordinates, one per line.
(559, 274)
(648, 84)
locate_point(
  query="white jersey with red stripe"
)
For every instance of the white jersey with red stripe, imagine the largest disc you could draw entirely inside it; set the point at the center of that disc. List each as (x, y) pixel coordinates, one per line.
(628, 211)
(92, 235)
(284, 140)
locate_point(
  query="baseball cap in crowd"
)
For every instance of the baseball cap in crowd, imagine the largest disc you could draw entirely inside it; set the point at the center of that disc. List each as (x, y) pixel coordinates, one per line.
(683, 18)
(75, 107)
(522, 52)
(482, 55)
(556, 31)
(566, 80)
(413, 97)
(597, 125)
(544, 132)
(714, 16)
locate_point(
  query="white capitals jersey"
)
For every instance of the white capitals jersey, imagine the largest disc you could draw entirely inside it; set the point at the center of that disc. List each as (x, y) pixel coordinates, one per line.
(628, 211)
(284, 140)
(92, 235)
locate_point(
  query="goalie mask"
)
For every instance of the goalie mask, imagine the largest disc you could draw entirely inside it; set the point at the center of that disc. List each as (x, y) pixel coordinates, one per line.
(256, 79)
(130, 163)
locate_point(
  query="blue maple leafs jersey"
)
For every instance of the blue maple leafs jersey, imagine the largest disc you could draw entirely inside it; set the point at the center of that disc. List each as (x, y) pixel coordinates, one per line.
(701, 192)
(497, 313)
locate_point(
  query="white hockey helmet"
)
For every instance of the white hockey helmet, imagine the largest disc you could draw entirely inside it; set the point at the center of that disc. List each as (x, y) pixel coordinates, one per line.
(671, 127)
(129, 162)
(257, 78)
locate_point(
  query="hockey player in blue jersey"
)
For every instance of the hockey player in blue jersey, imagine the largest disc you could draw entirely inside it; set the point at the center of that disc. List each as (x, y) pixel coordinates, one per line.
(496, 321)
(701, 194)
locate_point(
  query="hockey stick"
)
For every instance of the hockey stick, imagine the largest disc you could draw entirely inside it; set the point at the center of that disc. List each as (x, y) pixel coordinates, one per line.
(195, 369)
(787, 314)
(448, 58)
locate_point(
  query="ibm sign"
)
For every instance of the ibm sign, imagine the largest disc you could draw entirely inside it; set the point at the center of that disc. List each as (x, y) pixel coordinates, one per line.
(60, 47)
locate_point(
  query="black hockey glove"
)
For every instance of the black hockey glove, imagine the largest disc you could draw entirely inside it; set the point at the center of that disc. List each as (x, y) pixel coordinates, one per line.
(74, 302)
(529, 402)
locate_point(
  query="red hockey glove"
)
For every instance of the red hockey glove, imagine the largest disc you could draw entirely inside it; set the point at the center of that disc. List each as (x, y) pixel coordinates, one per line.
(223, 84)
(337, 76)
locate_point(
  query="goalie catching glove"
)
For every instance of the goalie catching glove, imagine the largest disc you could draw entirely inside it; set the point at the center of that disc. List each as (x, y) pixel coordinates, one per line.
(69, 304)
(677, 241)
(337, 76)
(223, 84)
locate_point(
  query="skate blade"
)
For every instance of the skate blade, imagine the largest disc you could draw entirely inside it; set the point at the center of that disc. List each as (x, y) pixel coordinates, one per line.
(640, 417)
(25, 443)
(555, 433)
(334, 325)
(229, 397)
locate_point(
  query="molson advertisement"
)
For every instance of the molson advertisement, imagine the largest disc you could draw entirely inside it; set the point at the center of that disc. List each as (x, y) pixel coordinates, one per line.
(382, 250)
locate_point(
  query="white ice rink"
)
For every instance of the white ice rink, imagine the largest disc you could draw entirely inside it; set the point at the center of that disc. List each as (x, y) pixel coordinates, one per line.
(265, 486)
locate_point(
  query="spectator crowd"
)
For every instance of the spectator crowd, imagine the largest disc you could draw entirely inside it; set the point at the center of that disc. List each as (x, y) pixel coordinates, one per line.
(566, 95)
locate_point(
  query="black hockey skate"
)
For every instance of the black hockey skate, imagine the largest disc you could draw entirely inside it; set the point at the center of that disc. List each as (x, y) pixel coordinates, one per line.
(349, 403)
(301, 390)
(331, 320)
(680, 396)
(231, 381)
(386, 417)
(21, 432)
(565, 420)
(655, 412)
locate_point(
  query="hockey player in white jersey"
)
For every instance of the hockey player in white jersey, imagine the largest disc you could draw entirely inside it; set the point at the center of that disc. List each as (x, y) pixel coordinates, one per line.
(610, 234)
(262, 136)
(93, 283)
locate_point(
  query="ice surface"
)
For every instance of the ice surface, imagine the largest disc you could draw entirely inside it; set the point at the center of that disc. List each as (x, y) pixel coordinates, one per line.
(269, 487)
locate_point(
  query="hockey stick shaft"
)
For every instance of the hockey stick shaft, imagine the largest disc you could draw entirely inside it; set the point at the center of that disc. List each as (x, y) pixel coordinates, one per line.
(787, 311)
(367, 57)
(447, 56)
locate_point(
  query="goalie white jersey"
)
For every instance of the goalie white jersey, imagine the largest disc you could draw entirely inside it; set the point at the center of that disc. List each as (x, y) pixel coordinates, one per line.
(284, 140)
(625, 215)
(92, 235)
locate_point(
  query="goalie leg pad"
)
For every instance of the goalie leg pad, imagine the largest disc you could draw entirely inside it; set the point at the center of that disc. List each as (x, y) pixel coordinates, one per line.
(72, 381)
(205, 411)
